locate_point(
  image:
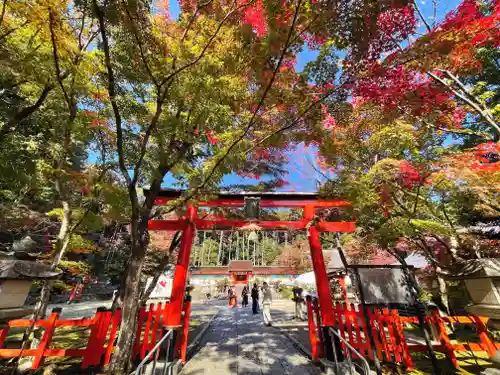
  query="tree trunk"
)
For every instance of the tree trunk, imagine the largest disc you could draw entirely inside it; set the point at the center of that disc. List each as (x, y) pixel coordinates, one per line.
(62, 243)
(227, 250)
(219, 252)
(443, 290)
(40, 309)
(237, 251)
(253, 255)
(131, 298)
(202, 249)
(262, 249)
(209, 255)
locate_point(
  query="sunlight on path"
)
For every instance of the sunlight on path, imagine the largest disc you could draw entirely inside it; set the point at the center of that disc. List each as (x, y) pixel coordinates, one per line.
(238, 343)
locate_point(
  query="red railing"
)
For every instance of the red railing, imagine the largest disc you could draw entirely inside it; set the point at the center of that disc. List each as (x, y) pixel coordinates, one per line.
(98, 344)
(388, 334)
(104, 327)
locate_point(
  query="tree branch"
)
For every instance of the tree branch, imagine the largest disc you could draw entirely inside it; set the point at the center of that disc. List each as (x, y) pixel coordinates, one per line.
(161, 267)
(169, 78)
(56, 58)
(80, 33)
(416, 203)
(209, 43)
(483, 113)
(463, 132)
(112, 95)
(154, 121)
(250, 123)
(428, 252)
(2, 15)
(452, 226)
(461, 86)
(295, 121)
(25, 112)
(140, 45)
(417, 8)
(193, 17)
(8, 32)
(160, 174)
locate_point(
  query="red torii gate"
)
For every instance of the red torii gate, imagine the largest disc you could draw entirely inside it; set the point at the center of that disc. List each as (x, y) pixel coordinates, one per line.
(309, 202)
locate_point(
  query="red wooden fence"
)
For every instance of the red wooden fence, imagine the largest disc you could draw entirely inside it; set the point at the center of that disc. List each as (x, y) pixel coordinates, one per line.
(388, 334)
(103, 332)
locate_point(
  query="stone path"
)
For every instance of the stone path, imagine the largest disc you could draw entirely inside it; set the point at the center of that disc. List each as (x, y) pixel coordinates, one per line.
(237, 342)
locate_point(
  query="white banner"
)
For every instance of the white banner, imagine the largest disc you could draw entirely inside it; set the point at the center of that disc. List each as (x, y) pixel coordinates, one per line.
(163, 288)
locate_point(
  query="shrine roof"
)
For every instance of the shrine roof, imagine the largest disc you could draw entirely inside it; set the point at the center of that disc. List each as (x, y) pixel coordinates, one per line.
(240, 265)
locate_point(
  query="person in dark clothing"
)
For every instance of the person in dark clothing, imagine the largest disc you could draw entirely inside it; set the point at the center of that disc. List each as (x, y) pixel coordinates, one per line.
(299, 302)
(244, 297)
(255, 299)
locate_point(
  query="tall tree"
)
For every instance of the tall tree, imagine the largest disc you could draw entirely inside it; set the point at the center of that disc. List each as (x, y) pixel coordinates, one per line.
(388, 145)
(194, 96)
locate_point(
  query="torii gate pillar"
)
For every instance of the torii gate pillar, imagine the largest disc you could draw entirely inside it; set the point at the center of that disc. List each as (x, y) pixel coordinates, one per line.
(181, 269)
(322, 284)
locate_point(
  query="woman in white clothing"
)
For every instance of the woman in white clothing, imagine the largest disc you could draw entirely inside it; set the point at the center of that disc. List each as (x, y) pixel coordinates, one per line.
(267, 300)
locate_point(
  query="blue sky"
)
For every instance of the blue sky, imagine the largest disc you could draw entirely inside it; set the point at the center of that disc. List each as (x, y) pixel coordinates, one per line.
(302, 174)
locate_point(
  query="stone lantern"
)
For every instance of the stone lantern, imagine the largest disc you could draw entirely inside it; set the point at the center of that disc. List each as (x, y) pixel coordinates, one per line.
(16, 279)
(482, 280)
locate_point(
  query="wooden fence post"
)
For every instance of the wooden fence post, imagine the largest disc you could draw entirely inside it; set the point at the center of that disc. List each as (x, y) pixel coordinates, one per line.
(312, 330)
(147, 329)
(320, 342)
(92, 352)
(112, 336)
(483, 335)
(156, 325)
(367, 342)
(341, 326)
(99, 356)
(348, 323)
(383, 337)
(375, 334)
(359, 341)
(46, 338)
(140, 319)
(185, 329)
(401, 340)
(391, 338)
(444, 338)
(3, 335)
(164, 314)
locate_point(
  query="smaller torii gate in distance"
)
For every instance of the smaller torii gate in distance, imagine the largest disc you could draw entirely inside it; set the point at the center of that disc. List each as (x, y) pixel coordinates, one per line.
(309, 202)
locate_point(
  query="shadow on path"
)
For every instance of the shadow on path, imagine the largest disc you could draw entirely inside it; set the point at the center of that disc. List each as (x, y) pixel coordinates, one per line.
(237, 342)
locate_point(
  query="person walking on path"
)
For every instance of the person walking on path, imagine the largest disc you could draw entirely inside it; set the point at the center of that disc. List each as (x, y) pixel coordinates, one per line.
(244, 296)
(267, 299)
(255, 298)
(205, 291)
(230, 296)
(299, 302)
